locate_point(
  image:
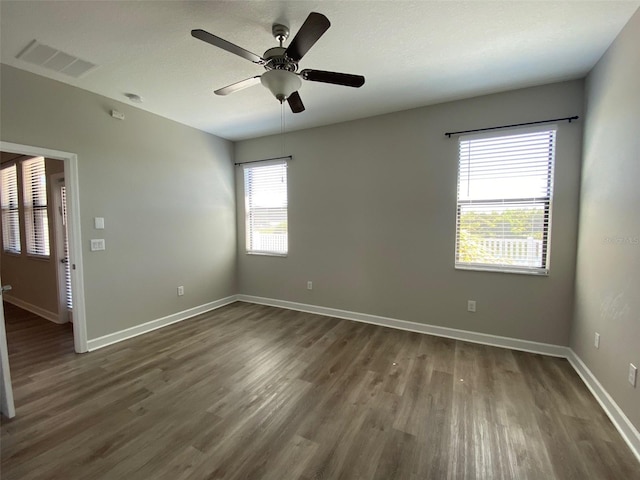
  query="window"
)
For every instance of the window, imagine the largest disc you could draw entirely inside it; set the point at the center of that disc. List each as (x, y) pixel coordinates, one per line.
(10, 215)
(505, 187)
(265, 193)
(35, 207)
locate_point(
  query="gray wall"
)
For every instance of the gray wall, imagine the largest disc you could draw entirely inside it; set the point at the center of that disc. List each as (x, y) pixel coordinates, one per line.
(34, 280)
(608, 271)
(372, 219)
(165, 190)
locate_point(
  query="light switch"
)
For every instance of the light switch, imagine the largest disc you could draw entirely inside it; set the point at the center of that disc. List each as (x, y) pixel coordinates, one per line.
(97, 244)
(99, 223)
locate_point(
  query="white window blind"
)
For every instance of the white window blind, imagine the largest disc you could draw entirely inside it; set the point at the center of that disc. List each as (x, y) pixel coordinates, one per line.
(67, 264)
(505, 185)
(265, 189)
(10, 212)
(35, 206)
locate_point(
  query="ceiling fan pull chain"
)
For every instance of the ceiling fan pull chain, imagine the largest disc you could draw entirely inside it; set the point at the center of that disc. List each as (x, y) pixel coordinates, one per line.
(282, 126)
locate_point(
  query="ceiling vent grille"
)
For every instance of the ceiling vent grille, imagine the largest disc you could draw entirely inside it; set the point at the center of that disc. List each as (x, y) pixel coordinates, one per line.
(52, 59)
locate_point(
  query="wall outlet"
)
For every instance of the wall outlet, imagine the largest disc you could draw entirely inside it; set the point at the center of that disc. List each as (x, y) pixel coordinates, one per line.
(471, 305)
(309, 285)
(596, 340)
(633, 374)
(97, 244)
(180, 290)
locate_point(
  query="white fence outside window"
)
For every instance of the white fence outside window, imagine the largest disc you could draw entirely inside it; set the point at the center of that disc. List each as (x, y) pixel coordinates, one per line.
(269, 242)
(526, 252)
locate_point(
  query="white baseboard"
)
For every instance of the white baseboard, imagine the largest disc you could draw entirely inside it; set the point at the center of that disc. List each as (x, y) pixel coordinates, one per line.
(116, 337)
(627, 430)
(41, 312)
(467, 336)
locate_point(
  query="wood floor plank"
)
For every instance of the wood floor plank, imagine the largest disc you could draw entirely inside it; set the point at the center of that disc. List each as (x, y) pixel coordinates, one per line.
(399, 456)
(249, 392)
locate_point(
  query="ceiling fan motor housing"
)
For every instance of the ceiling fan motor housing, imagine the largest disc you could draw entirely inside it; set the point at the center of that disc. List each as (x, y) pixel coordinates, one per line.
(276, 60)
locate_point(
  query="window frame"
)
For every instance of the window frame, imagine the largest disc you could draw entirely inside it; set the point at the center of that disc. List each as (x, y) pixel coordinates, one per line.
(248, 169)
(545, 201)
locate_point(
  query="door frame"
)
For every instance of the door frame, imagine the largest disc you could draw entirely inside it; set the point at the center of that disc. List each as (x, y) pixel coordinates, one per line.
(73, 231)
(7, 405)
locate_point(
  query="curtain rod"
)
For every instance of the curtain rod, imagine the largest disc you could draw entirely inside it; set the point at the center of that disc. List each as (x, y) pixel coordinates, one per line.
(264, 160)
(570, 119)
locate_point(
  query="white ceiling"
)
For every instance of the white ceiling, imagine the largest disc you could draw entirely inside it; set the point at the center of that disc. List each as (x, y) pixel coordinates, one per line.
(411, 53)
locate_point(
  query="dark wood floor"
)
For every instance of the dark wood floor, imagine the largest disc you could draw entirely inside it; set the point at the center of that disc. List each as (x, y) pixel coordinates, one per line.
(253, 392)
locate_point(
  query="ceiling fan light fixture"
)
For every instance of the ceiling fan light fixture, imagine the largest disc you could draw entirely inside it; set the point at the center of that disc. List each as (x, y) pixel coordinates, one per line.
(281, 83)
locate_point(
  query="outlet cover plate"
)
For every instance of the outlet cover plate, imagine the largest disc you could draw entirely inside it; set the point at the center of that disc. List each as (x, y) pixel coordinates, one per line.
(97, 244)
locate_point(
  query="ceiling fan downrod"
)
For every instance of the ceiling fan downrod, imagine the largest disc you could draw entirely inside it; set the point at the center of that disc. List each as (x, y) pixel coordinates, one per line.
(280, 32)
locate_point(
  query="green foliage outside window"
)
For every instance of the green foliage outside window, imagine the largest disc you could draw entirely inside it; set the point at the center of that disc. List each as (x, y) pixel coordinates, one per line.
(476, 227)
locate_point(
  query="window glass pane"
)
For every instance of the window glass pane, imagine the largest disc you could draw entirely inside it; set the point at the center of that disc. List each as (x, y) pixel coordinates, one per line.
(500, 234)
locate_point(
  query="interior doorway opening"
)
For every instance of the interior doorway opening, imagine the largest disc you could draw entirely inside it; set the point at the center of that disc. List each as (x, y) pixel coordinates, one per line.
(68, 254)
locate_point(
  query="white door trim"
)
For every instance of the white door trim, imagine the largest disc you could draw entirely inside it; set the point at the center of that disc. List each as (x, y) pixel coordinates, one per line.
(6, 389)
(75, 237)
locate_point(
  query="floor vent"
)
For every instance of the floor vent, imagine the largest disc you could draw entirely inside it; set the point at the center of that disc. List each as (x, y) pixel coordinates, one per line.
(48, 57)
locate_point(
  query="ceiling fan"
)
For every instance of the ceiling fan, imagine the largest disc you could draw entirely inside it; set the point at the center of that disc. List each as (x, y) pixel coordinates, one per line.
(281, 64)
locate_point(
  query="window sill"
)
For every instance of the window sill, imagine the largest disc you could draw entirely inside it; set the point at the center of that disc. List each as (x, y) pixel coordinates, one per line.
(39, 258)
(542, 272)
(268, 254)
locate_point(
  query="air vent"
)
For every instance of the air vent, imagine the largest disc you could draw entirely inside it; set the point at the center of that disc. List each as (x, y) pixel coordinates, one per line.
(52, 59)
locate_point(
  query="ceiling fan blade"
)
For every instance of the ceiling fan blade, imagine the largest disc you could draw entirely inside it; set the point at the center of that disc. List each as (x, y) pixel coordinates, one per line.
(295, 102)
(336, 78)
(310, 31)
(242, 84)
(228, 46)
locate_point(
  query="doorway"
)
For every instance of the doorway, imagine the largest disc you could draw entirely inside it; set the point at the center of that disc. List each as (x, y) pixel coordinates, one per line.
(74, 276)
